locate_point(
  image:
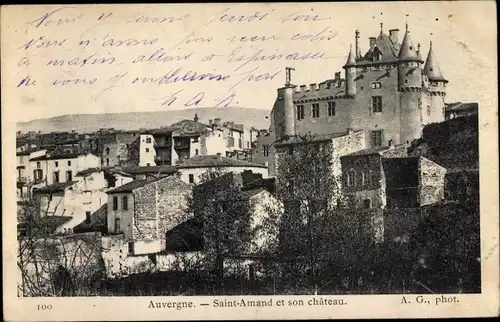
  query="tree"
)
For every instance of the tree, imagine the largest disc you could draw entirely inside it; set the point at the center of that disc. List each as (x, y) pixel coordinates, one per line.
(50, 264)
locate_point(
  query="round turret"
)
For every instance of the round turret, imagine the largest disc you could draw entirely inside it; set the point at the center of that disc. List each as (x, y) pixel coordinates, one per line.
(409, 65)
(350, 74)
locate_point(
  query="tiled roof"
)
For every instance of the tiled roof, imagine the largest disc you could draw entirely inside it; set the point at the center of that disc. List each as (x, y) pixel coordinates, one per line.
(161, 169)
(87, 172)
(375, 150)
(184, 127)
(459, 106)
(312, 138)
(60, 186)
(208, 161)
(59, 156)
(247, 194)
(387, 48)
(131, 186)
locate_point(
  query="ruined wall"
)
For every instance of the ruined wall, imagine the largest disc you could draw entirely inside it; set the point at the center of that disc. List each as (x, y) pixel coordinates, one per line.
(431, 182)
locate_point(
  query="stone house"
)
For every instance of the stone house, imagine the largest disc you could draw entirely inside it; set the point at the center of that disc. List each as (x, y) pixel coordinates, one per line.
(254, 191)
(59, 168)
(77, 200)
(145, 209)
(142, 151)
(387, 178)
(186, 139)
(192, 169)
(340, 144)
(113, 146)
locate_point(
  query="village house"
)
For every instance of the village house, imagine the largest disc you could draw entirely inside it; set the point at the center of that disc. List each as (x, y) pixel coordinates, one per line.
(387, 178)
(60, 168)
(113, 146)
(186, 139)
(254, 190)
(79, 199)
(142, 151)
(192, 169)
(339, 144)
(143, 210)
(263, 149)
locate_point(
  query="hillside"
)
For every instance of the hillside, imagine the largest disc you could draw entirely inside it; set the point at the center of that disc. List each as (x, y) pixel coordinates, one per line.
(454, 144)
(84, 123)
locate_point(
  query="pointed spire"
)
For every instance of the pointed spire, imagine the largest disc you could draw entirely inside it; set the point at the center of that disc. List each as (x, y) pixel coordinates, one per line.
(350, 59)
(431, 68)
(407, 51)
(381, 28)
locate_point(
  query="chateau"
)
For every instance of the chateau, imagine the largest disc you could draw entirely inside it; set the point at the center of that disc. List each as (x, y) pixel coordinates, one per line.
(389, 92)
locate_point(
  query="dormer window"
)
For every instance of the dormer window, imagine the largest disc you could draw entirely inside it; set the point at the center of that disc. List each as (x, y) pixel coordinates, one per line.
(376, 55)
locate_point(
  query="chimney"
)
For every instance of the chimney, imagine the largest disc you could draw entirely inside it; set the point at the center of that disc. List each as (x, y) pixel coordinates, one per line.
(358, 50)
(196, 117)
(350, 130)
(393, 34)
(140, 177)
(337, 76)
(372, 41)
(219, 156)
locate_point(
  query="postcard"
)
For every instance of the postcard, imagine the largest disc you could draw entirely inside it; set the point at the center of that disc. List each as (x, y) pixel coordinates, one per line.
(250, 161)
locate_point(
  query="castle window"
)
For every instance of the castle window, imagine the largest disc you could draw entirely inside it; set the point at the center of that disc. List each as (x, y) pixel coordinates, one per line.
(377, 104)
(406, 81)
(147, 149)
(148, 140)
(69, 163)
(300, 112)
(57, 164)
(428, 110)
(376, 85)
(266, 150)
(125, 203)
(115, 203)
(315, 110)
(351, 178)
(331, 108)
(376, 138)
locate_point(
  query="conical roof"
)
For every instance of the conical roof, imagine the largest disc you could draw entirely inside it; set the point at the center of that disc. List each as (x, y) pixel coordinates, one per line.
(407, 51)
(350, 59)
(431, 68)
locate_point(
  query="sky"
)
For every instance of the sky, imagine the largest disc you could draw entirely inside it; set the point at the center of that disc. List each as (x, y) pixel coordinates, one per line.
(97, 66)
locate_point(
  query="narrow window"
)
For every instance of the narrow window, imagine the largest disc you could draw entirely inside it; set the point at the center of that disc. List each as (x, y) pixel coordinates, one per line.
(377, 104)
(315, 110)
(376, 138)
(147, 149)
(107, 162)
(196, 152)
(331, 108)
(363, 178)
(367, 203)
(69, 163)
(115, 203)
(38, 165)
(428, 110)
(69, 176)
(125, 203)
(148, 140)
(351, 178)
(56, 177)
(191, 178)
(117, 225)
(131, 247)
(300, 112)
(266, 150)
(87, 217)
(57, 164)
(107, 151)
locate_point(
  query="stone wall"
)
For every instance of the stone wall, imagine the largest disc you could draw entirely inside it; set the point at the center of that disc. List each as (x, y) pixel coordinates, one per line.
(431, 182)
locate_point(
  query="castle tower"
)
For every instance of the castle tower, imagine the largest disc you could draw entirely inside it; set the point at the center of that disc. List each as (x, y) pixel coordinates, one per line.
(350, 74)
(409, 67)
(436, 85)
(285, 101)
(410, 88)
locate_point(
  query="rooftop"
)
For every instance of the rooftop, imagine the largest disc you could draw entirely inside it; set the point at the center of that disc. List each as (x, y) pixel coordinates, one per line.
(313, 138)
(55, 187)
(87, 172)
(160, 169)
(207, 161)
(375, 150)
(131, 186)
(184, 127)
(59, 156)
